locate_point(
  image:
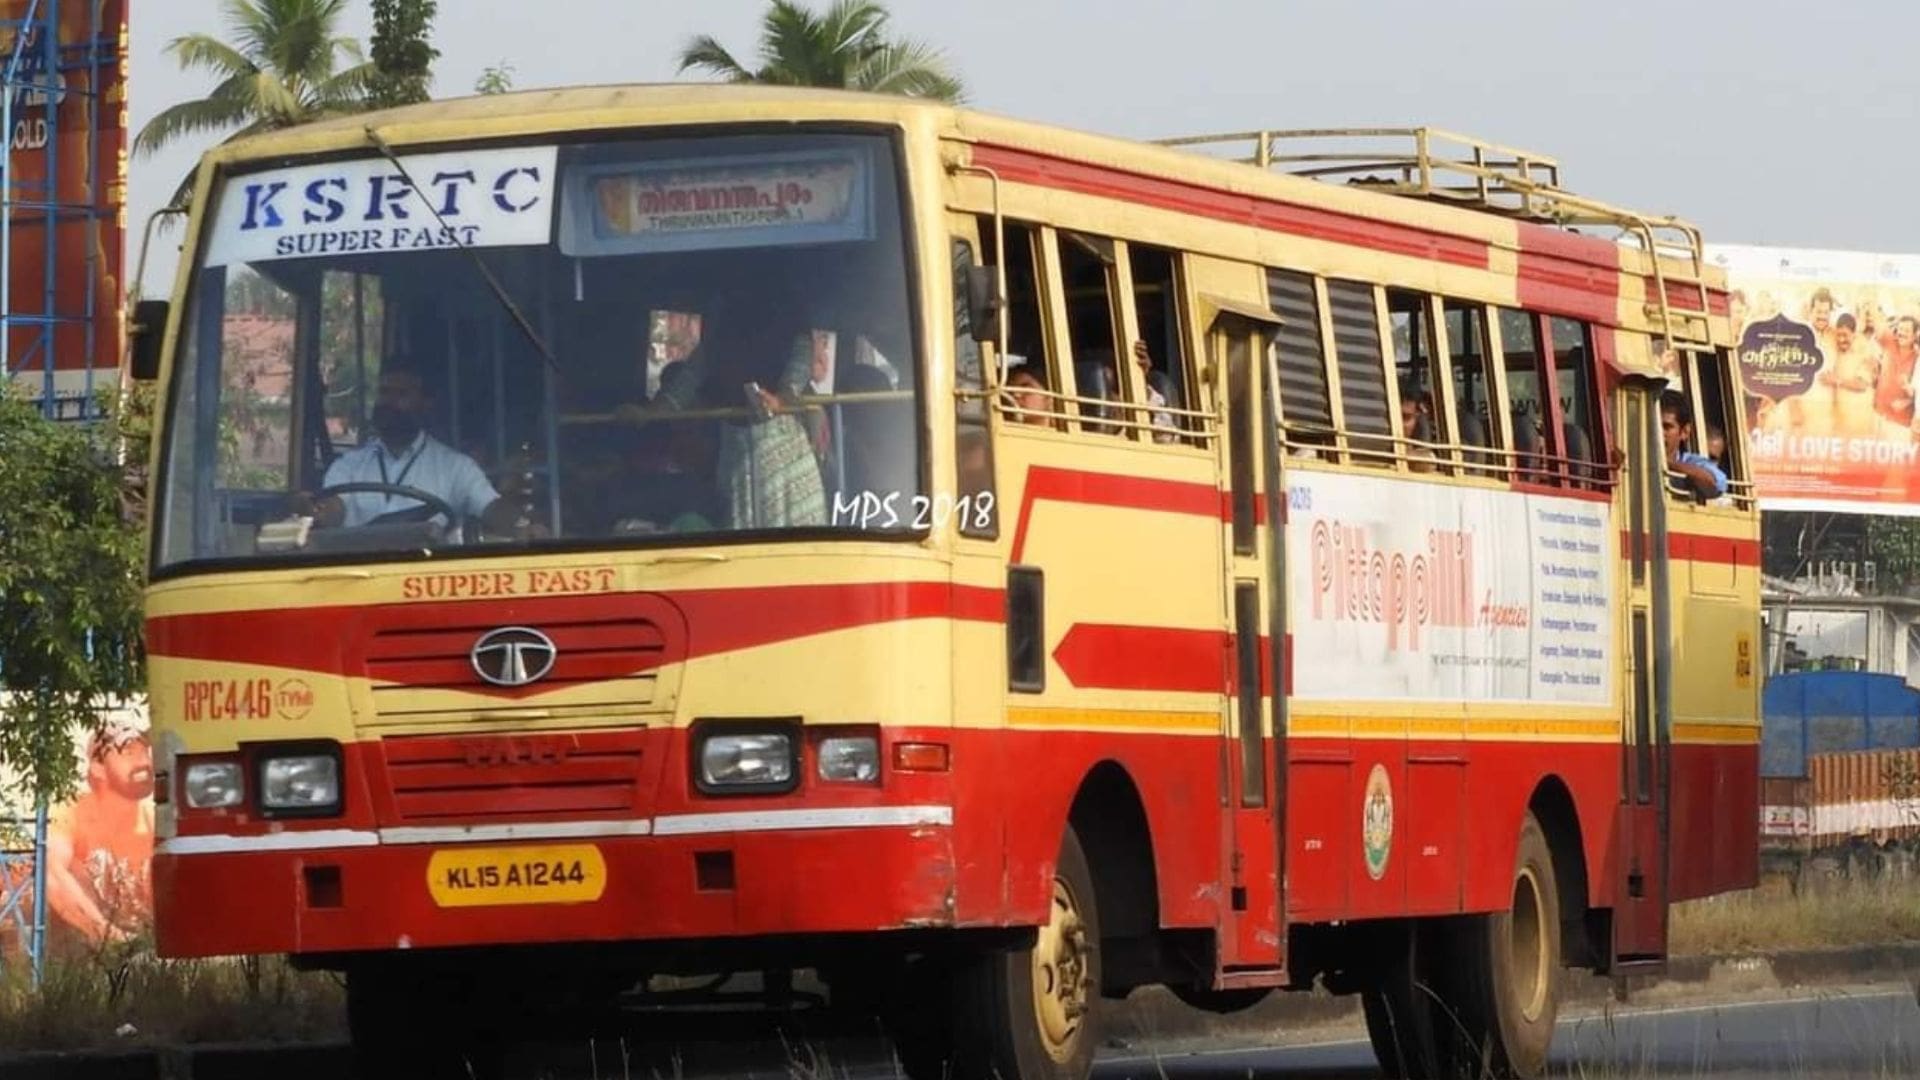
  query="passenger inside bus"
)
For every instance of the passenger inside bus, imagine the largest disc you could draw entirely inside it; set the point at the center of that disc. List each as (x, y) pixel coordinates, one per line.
(1703, 478)
(1025, 397)
(666, 483)
(761, 358)
(1416, 425)
(1159, 389)
(871, 432)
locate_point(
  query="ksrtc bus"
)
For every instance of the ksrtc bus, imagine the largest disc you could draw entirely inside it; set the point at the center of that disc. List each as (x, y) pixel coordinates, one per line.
(609, 534)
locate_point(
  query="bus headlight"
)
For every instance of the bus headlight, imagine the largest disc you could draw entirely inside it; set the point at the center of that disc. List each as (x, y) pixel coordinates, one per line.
(210, 785)
(746, 761)
(294, 782)
(849, 758)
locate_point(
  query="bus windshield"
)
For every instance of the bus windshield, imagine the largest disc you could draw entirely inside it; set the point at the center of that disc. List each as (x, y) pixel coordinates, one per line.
(667, 340)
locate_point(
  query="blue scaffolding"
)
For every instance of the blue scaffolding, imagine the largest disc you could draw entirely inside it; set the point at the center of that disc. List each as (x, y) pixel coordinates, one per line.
(23, 888)
(41, 73)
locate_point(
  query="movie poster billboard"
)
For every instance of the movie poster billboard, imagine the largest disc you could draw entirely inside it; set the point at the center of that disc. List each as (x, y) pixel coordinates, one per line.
(99, 843)
(67, 177)
(1826, 343)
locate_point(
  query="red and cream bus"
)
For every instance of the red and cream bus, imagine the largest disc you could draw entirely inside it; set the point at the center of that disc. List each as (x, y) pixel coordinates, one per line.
(612, 533)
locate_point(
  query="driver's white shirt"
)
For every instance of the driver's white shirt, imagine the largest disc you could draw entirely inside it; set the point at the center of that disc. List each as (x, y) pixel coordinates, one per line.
(427, 464)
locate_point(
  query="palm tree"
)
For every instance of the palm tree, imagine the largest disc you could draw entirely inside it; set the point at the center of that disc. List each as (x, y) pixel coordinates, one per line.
(284, 67)
(847, 47)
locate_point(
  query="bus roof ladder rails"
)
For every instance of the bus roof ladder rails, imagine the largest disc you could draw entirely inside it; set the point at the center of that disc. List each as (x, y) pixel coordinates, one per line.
(1444, 166)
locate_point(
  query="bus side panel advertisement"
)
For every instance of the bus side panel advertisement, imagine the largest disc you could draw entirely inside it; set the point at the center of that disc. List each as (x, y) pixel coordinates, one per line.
(1827, 342)
(1401, 590)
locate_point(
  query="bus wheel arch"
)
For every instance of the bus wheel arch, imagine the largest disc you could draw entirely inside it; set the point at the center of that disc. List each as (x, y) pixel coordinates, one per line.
(1584, 938)
(1110, 819)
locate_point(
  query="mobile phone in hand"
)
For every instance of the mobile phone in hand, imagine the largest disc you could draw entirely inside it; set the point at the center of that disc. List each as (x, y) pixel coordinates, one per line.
(757, 401)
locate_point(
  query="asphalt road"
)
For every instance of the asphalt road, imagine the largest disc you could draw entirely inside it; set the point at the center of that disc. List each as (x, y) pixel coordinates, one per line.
(1871, 1032)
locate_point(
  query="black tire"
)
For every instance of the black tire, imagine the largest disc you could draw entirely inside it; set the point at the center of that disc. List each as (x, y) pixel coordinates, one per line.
(1406, 1020)
(410, 1025)
(1029, 1012)
(1509, 971)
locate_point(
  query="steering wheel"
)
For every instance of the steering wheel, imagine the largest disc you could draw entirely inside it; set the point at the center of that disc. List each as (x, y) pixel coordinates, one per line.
(433, 504)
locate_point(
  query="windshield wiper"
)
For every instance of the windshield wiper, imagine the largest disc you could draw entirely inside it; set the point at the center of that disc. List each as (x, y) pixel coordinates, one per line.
(499, 291)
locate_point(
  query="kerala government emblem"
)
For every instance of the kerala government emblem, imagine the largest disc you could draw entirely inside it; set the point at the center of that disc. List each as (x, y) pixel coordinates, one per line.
(1376, 822)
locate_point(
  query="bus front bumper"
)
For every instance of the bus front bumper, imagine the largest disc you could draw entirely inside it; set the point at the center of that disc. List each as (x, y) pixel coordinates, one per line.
(706, 876)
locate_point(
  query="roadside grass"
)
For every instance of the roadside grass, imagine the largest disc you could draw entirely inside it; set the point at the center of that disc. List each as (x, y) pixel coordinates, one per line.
(1847, 913)
(124, 995)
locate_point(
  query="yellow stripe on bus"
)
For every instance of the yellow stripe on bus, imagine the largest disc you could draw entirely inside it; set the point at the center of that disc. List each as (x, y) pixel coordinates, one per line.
(1310, 725)
(1199, 723)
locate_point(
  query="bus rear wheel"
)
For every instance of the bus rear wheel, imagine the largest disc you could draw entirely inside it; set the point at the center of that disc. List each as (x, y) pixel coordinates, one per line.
(1029, 1011)
(1509, 969)
(1405, 1020)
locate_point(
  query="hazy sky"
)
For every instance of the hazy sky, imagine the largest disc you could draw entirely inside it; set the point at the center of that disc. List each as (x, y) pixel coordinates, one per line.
(1767, 122)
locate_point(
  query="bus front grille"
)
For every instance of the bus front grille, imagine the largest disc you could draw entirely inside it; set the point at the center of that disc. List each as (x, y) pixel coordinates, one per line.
(522, 776)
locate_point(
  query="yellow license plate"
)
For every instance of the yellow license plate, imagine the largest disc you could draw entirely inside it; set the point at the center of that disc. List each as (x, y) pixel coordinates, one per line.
(535, 874)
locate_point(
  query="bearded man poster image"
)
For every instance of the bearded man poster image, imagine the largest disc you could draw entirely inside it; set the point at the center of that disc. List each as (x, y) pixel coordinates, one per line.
(99, 844)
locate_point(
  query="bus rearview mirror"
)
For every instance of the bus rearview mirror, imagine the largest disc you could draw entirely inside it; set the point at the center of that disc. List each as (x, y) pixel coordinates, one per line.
(148, 329)
(983, 303)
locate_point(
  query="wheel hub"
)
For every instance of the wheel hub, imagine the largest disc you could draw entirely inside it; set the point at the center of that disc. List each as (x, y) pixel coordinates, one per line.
(1060, 974)
(1530, 959)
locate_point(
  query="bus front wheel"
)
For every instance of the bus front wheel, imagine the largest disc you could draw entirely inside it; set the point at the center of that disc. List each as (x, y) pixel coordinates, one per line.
(1028, 1011)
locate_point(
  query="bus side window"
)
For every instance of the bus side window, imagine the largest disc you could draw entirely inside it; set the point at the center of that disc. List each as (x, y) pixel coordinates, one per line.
(1306, 406)
(1027, 355)
(1156, 304)
(1717, 395)
(1520, 357)
(973, 447)
(1086, 273)
(1424, 424)
(1363, 378)
(1473, 382)
(1573, 376)
(1708, 384)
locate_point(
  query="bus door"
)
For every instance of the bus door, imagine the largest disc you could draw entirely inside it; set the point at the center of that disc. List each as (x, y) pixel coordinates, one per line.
(1253, 725)
(1640, 890)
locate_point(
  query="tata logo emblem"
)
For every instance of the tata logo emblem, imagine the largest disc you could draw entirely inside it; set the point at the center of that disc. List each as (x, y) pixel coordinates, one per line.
(513, 656)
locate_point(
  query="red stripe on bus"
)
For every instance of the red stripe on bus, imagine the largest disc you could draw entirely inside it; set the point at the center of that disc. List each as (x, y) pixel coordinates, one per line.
(1696, 547)
(1686, 296)
(721, 620)
(1717, 550)
(1103, 656)
(1048, 484)
(1110, 657)
(1554, 285)
(1026, 166)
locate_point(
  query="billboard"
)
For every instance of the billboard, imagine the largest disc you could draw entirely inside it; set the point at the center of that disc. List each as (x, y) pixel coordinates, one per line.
(66, 184)
(1827, 342)
(99, 843)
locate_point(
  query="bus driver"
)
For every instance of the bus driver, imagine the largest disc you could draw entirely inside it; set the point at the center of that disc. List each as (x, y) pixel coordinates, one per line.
(404, 455)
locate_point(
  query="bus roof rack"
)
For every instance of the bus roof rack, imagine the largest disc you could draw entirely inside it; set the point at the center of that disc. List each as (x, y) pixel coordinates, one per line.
(1444, 166)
